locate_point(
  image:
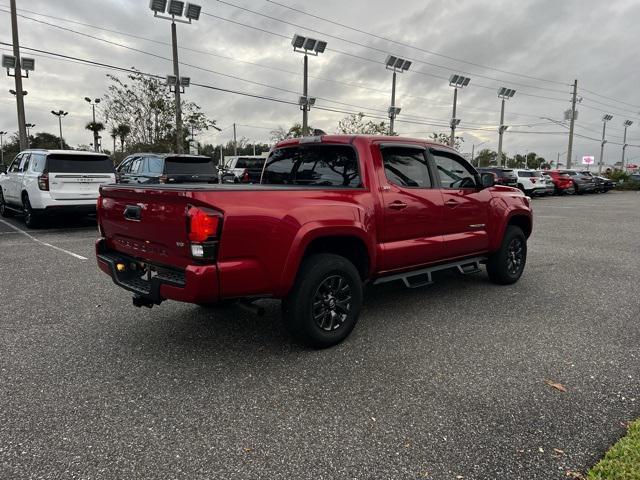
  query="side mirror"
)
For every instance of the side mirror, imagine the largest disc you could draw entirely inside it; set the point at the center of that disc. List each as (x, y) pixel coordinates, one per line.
(487, 180)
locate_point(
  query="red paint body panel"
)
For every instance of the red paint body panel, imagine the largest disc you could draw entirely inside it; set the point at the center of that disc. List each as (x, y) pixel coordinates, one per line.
(266, 230)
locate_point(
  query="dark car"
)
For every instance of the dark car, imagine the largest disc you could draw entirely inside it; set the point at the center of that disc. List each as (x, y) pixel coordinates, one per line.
(150, 168)
(581, 183)
(503, 176)
(605, 184)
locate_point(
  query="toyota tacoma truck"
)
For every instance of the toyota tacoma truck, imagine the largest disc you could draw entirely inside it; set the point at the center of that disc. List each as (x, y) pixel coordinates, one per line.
(331, 214)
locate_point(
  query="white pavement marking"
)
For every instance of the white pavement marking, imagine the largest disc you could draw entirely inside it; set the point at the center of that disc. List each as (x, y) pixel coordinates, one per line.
(41, 242)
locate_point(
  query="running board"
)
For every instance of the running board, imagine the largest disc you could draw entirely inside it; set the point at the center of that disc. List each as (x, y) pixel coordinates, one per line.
(423, 277)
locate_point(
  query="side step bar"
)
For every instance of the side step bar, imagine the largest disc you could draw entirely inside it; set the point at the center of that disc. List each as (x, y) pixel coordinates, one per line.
(423, 277)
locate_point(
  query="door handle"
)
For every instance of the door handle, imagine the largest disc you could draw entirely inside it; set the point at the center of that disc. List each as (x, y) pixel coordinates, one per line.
(451, 203)
(397, 205)
(133, 212)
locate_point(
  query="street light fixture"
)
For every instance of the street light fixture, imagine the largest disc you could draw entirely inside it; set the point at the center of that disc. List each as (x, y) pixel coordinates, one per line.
(95, 133)
(396, 65)
(504, 94)
(29, 126)
(456, 81)
(307, 46)
(60, 114)
(176, 8)
(14, 93)
(605, 118)
(627, 124)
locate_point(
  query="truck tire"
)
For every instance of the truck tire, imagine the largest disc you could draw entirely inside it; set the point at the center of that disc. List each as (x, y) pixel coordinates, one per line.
(507, 264)
(31, 218)
(4, 210)
(324, 304)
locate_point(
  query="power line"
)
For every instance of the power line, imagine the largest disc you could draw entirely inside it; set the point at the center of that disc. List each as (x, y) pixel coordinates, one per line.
(362, 45)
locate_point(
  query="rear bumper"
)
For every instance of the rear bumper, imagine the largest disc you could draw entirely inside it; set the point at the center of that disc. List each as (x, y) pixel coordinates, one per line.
(194, 284)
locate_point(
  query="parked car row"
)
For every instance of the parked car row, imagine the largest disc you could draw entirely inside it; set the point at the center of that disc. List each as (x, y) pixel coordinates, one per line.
(41, 183)
(550, 182)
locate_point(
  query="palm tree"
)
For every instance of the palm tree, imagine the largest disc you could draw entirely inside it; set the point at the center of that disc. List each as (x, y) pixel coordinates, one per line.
(123, 131)
(96, 128)
(114, 134)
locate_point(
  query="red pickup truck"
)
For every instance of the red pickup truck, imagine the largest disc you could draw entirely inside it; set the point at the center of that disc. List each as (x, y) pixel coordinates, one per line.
(330, 214)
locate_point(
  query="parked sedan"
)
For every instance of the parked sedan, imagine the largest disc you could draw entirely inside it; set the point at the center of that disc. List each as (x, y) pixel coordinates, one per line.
(563, 183)
(150, 168)
(581, 183)
(605, 184)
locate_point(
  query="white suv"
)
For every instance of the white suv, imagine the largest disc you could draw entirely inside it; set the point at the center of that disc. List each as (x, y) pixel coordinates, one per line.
(531, 182)
(42, 182)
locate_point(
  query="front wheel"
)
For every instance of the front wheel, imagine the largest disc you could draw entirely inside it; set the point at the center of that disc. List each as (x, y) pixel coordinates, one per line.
(324, 305)
(507, 264)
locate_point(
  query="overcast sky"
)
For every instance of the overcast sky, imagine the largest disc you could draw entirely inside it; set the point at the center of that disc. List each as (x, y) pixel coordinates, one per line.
(547, 42)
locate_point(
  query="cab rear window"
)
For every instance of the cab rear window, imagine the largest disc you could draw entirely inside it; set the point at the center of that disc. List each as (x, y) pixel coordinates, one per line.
(60, 163)
(189, 166)
(313, 165)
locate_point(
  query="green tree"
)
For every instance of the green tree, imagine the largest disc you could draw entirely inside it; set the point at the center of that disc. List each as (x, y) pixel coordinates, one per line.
(123, 130)
(95, 127)
(443, 138)
(295, 131)
(486, 157)
(147, 106)
(355, 124)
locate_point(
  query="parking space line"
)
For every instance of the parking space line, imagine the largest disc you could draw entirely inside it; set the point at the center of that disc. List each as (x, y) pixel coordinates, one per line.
(75, 255)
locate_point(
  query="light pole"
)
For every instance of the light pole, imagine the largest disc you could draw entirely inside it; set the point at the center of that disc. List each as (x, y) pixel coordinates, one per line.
(17, 64)
(396, 65)
(2, 134)
(60, 114)
(504, 94)
(176, 8)
(606, 118)
(29, 126)
(307, 46)
(473, 151)
(627, 124)
(456, 81)
(95, 132)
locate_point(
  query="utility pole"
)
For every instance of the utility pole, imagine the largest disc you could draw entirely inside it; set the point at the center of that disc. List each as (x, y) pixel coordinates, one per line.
(60, 114)
(473, 152)
(2, 134)
(392, 110)
(627, 124)
(558, 161)
(22, 129)
(221, 165)
(574, 99)
(452, 140)
(235, 141)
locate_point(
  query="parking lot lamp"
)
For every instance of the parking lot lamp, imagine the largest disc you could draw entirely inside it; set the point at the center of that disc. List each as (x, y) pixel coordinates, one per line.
(29, 126)
(60, 114)
(307, 46)
(627, 124)
(396, 65)
(504, 94)
(606, 118)
(95, 132)
(176, 9)
(456, 81)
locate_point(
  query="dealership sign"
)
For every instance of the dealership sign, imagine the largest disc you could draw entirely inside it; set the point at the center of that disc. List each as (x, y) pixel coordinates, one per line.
(588, 160)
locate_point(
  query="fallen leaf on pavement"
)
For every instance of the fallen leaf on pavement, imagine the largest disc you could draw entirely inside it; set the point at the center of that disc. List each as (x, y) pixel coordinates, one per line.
(557, 386)
(576, 475)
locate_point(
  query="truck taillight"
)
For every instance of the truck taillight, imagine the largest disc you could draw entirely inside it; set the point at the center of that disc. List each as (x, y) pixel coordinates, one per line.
(203, 227)
(43, 181)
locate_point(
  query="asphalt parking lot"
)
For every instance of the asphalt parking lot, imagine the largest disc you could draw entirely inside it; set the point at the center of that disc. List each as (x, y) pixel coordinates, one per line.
(444, 382)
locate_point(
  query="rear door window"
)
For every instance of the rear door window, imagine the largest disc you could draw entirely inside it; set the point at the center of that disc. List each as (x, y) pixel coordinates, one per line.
(313, 165)
(189, 166)
(252, 163)
(61, 163)
(406, 167)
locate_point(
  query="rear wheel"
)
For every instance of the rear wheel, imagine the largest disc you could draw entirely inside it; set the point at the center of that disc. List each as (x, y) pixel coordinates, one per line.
(31, 218)
(507, 264)
(4, 210)
(324, 305)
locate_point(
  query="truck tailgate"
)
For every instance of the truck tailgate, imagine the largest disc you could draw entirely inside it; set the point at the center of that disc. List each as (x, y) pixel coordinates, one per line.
(147, 224)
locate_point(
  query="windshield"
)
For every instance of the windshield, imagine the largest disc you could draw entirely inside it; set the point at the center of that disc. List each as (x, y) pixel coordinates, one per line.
(189, 166)
(61, 163)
